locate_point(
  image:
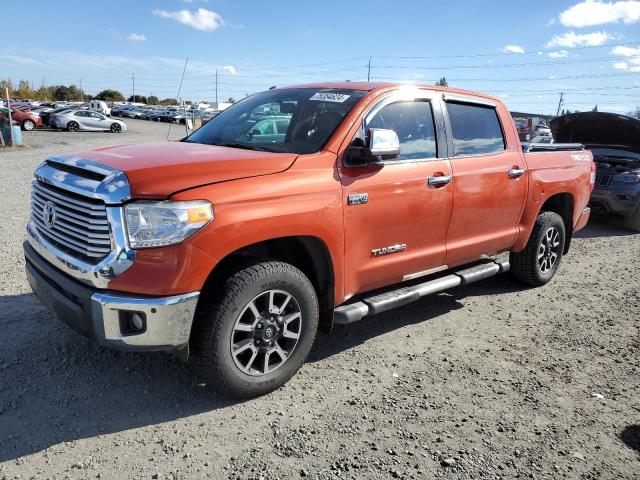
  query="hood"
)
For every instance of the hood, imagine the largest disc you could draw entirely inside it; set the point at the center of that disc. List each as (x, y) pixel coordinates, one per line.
(598, 130)
(162, 168)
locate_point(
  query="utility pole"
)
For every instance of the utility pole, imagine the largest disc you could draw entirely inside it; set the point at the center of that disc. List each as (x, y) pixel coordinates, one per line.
(133, 87)
(216, 88)
(81, 92)
(369, 70)
(559, 104)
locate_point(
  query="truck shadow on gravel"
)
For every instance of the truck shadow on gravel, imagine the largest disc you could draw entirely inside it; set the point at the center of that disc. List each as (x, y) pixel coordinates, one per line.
(631, 437)
(345, 337)
(56, 386)
(603, 226)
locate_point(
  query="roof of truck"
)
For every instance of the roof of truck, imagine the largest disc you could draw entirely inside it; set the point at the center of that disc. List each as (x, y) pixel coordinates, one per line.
(372, 86)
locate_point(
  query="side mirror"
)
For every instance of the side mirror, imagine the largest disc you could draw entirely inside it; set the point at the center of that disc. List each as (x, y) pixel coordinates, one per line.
(383, 143)
(380, 145)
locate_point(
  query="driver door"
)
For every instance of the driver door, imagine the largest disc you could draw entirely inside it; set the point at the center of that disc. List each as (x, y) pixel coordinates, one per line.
(396, 217)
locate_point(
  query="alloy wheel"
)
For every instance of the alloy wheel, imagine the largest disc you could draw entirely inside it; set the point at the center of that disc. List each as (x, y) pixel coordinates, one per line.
(266, 332)
(549, 250)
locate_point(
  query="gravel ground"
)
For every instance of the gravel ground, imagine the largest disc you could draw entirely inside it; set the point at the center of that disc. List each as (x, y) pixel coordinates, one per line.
(494, 380)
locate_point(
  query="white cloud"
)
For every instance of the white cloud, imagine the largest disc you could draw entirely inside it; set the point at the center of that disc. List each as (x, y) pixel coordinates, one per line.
(559, 54)
(201, 19)
(137, 37)
(229, 69)
(572, 39)
(513, 49)
(591, 12)
(626, 51)
(17, 59)
(631, 57)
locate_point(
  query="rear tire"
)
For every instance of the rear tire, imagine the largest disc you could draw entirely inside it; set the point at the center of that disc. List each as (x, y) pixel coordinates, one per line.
(539, 261)
(234, 352)
(28, 125)
(633, 222)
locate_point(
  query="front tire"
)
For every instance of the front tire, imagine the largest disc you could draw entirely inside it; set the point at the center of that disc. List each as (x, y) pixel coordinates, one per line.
(539, 261)
(633, 222)
(73, 126)
(28, 125)
(257, 332)
(115, 128)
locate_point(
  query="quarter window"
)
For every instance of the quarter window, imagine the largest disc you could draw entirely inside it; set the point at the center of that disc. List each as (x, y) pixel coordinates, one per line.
(413, 122)
(476, 130)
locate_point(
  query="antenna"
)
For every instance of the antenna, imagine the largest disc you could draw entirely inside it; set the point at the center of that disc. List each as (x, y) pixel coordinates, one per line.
(179, 90)
(216, 88)
(560, 104)
(369, 70)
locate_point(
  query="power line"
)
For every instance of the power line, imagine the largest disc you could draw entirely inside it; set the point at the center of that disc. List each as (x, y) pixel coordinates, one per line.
(509, 54)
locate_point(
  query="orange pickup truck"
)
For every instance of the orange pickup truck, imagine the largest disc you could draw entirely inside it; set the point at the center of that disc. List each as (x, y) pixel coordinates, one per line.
(292, 210)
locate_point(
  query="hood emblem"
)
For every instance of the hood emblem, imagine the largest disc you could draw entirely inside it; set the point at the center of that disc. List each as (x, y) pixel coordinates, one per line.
(49, 214)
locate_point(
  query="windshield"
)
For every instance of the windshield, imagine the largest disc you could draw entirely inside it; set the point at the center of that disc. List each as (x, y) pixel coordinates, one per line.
(296, 120)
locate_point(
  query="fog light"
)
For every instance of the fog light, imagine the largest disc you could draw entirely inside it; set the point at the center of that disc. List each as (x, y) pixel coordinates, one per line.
(138, 321)
(132, 323)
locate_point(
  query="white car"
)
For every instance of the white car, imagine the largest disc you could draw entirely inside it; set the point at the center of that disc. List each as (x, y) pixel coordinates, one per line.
(100, 106)
(75, 120)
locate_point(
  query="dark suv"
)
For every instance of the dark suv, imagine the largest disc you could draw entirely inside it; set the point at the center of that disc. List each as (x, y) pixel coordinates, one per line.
(614, 140)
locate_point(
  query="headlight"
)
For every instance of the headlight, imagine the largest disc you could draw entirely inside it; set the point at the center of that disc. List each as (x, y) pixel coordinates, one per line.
(631, 177)
(156, 224)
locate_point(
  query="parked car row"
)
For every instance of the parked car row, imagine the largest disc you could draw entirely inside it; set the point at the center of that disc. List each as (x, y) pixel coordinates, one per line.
(89, 117)
(163, 114)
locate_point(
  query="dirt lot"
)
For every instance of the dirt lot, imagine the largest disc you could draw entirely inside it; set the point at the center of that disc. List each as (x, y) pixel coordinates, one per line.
(494, 380)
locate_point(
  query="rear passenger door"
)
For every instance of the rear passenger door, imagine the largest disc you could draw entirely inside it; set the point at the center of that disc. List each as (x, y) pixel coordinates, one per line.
(489, 181)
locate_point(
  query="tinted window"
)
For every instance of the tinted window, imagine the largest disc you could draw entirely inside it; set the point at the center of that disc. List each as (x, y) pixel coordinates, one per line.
(282, 125)
(413, 122)
(476, 129)
(264, 127)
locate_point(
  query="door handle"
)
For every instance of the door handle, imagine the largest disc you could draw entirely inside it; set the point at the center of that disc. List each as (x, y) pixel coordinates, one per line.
(517, 172)
(440, 181)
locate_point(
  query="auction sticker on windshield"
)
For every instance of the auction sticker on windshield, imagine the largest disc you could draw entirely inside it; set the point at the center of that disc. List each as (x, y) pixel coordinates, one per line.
(329, 97)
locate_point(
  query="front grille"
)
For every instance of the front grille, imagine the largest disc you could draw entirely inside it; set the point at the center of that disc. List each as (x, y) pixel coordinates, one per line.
(80, 226)
(603, 180)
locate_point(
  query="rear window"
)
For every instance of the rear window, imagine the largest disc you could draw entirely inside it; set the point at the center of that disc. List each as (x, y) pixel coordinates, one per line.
(475, 129)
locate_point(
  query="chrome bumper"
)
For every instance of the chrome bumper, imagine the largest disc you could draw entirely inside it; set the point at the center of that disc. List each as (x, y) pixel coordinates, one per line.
(106, 316)
(167, 326)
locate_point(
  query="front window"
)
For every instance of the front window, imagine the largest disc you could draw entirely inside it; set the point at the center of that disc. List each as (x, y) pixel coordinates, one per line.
(296, 120)
(414, 125)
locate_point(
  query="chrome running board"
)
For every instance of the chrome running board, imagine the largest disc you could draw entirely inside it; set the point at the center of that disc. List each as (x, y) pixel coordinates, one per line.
(353, 312)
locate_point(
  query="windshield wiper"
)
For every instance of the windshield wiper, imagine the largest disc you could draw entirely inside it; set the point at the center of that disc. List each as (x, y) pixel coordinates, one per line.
(243, 146)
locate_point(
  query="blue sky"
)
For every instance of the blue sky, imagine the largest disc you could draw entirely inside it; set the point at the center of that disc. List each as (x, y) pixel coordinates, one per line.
(525, 52)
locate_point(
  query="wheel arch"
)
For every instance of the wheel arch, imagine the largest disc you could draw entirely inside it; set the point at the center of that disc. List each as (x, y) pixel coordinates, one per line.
(563, 204)
(307, 253)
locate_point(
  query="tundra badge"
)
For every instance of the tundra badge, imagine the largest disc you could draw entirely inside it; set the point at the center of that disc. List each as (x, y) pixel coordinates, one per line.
(399, 247)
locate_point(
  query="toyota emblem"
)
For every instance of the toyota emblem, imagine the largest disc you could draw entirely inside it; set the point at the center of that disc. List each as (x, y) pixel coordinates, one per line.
(49, 214)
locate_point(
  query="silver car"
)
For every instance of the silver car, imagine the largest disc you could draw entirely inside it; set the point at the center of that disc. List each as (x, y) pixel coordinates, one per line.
(75, 120)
